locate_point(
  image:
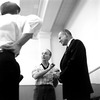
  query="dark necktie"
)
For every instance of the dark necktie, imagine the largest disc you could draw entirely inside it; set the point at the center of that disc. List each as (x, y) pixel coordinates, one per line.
(66, 49)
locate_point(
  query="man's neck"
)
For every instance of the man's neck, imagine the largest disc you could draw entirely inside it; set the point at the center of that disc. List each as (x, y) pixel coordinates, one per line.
(45, 63)
(69, 42)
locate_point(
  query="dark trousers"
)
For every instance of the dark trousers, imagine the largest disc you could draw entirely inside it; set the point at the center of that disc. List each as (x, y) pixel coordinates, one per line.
(78, 97)
(9, 76)
(44, 92)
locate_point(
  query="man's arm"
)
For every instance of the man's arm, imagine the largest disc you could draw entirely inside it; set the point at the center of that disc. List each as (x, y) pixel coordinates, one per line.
(38, 74)
(15, 47)
(31, 29)
(24, 39)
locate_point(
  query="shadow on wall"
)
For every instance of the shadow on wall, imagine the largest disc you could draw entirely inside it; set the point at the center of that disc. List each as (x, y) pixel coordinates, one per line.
(96, 94)
(26, 92)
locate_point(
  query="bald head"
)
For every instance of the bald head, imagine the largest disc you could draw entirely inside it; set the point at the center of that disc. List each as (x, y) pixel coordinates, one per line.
(64, 36)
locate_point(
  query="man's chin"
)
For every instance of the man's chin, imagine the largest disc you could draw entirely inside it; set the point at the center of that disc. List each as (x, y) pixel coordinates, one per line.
(63, 44)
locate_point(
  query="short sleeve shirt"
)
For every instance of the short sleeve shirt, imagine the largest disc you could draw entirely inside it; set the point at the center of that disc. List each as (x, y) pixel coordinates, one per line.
(12, 27)
(47, 78)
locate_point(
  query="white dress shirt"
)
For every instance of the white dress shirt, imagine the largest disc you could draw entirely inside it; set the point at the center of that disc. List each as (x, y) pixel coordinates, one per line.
(69, 42)
(12, 27)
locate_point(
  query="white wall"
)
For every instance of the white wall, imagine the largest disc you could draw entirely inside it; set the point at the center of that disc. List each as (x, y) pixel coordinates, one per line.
(86, 26)
(28, 59)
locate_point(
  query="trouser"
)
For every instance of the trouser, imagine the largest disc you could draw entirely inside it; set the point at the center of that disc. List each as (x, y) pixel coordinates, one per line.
(78, 97)
(44, 92)
(9, 76)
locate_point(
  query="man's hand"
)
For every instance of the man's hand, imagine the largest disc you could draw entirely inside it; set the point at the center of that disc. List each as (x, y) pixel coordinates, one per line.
(52, 65)
(15, 48)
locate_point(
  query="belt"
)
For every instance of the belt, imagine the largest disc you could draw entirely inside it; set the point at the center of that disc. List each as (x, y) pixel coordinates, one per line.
(2, 50)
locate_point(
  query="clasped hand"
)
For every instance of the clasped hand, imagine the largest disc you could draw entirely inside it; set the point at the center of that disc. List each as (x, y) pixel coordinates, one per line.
(15, 48)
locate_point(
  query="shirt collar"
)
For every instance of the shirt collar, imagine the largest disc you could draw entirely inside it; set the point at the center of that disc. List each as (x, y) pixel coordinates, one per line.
(69, 42)
(44, 66)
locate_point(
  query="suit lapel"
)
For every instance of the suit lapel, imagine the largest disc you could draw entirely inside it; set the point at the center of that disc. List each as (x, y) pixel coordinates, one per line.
(68, 48)
(71, 44)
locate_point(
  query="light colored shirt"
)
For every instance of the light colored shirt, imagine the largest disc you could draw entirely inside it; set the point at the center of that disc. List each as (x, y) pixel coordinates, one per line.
(47, 78)
(12, 27)
(69, 42)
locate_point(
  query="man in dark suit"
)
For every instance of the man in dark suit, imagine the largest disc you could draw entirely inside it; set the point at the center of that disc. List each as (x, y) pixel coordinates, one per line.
(74, 74)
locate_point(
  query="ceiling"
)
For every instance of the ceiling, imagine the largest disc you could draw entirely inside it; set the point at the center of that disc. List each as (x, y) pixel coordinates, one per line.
(29, 7)
(55, 13)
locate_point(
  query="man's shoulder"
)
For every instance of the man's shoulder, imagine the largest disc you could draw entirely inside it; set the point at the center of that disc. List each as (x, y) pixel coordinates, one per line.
(38, 67)
(78, 41)
(33, 17)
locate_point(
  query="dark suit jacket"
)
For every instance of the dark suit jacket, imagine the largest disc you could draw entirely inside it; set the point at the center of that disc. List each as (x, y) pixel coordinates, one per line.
(74, 70)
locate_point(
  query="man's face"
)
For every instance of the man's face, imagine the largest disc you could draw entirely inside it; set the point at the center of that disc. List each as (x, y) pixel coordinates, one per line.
(46, 55)
(63, 38)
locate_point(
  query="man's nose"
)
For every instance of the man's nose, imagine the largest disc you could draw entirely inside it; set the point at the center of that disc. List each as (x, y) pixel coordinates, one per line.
(60, 41)
(43, 54)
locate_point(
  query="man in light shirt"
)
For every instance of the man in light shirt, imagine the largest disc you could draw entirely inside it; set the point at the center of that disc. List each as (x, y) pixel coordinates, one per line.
(15, 31)
(46, 76)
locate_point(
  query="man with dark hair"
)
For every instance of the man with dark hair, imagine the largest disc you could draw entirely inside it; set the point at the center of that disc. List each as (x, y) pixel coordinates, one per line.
(15, 31)
(74, 74)
(8, 7)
